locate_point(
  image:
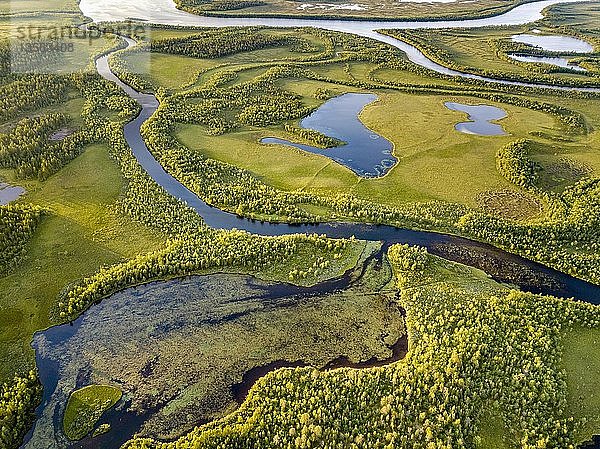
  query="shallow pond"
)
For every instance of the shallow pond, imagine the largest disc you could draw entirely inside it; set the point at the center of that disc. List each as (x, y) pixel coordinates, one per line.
(185, 351)
(365, 153)
(560, 62)
(556, 43)
(480, 117)
(9, 193)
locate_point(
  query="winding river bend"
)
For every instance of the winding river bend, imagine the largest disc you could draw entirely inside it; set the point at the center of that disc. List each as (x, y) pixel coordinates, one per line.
(501, 265)
(164, 12)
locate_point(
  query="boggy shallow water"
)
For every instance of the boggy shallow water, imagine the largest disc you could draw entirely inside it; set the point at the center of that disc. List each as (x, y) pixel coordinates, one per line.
(365, 152)
(187, 350)
(480, 118)
(9, 193)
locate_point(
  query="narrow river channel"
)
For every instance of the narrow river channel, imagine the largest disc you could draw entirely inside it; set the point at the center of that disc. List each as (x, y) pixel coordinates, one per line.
(501, 265)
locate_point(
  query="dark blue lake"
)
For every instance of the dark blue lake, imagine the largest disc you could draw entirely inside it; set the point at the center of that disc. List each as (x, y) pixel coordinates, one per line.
(365, 152)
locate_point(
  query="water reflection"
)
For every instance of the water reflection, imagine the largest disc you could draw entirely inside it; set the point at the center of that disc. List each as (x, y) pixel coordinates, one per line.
(556, 43)
(364, 152)
(559, 62)
(480, 117)
(9, 193)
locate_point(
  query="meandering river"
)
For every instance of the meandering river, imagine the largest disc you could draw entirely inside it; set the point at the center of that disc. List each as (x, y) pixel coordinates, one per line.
(501, 265)
(165, 12)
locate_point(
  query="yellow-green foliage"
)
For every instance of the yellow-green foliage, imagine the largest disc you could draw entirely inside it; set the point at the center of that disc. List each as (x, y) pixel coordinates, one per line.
(17, 224)
(514, 164)
(85, 407)
(474, 344)
(206, 249)
(18, 399)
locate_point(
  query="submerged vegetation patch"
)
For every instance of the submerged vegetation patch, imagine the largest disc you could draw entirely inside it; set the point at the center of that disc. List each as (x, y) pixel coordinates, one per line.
(178, 348)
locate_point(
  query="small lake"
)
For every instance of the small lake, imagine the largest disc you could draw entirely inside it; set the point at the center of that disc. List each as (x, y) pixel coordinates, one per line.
(9, 193)
(560, 62)
(556, 43)
(480, 117)
(366, 153)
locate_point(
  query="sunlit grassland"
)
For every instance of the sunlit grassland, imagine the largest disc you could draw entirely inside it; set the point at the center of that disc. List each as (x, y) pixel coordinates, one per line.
(583, 16)
(81, 233)
(35, 6)
(435, 161)
(492, 430)
(78, 48)
(582, 367)
(172, 71)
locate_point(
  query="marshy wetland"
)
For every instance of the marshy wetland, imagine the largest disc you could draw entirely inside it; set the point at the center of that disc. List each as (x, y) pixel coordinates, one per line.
(180, 350)
(189, 270)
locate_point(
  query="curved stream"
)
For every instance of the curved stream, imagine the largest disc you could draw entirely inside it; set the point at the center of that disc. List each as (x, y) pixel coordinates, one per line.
(501, 265)
(164, 12)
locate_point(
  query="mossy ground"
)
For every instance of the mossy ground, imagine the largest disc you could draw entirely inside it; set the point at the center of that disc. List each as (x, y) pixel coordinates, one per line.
(582, 366)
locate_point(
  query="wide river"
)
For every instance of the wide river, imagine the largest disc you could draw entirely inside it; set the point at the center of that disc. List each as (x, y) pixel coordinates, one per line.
(165, 12)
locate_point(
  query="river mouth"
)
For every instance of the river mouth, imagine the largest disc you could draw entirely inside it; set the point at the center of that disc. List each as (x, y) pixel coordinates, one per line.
(185, 351)
(363, 151)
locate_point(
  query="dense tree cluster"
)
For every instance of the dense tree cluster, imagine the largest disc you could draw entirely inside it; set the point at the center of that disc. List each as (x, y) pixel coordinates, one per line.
(30, 151)
(315, 138)
(191, 253)
(18, 400)
(204, 6)
(31, 92)
(514, 164)
(474, 346)
(18, 222)
(218, 43)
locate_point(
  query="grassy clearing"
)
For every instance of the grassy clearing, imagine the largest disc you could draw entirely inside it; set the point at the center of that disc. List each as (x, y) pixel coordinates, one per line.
(582, 366)
(34, 6)
(492, 430)
(81, 234)
(432, 155)
(85, 407)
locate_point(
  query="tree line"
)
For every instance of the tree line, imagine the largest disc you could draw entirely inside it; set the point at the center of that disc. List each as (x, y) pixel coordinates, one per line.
(474, 346)
(18, 222)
